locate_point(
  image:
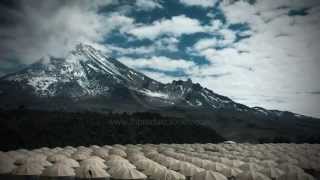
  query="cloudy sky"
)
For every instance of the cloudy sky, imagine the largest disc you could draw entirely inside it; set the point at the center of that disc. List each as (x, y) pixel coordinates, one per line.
(258, 52)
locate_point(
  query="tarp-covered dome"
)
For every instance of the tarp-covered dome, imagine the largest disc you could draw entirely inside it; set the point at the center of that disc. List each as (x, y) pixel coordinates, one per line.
(252, 175)
(101, 152)
(144, 163)
(42, 161)
(90, 171)
(69, 162)
(251, 167)
(117, 151)
(56, 157)
(169, 175)
(120, 163)
(154, 170)
(272, 172)
(208, 175)
(189, 169)
(287, 167)
(28, 169)
(231, 172)
(79, 156)
(216, 166)
(122, 172)
(296, 176)
(58, 170)
(94, 161)
(6, 164)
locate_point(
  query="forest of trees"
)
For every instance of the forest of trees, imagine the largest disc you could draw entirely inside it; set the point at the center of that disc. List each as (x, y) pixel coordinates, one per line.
(23, 128)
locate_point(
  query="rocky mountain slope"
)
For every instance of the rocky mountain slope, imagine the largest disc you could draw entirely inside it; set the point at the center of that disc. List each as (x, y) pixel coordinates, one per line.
(86, 73)
(87, 80)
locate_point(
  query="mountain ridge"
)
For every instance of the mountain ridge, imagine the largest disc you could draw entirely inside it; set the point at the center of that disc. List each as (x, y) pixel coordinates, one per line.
(87, 80)
(87, 72)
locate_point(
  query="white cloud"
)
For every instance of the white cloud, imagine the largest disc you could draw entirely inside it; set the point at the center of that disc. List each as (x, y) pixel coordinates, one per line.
(222, 37)
(53, 28)
(215, 25)
(228, 35)
(163, 44)
(175, 26)
(275, 64)
(161, 63)
(132, 50)
(205, 44)
(201, 3)
(167, 43)
(161, 77)
(118, 21)
(148, 4)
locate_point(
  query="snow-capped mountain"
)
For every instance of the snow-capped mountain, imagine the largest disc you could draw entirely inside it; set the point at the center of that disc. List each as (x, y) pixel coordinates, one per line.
(86, 72)
(87, 79)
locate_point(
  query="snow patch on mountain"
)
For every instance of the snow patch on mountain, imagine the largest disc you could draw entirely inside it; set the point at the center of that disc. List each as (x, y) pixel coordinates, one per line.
(85, 53)
(198, 103)
(41, 84)
(154, 94)
(261, 110)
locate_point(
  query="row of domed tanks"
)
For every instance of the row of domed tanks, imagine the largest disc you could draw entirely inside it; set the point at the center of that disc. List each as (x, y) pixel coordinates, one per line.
(165, 162)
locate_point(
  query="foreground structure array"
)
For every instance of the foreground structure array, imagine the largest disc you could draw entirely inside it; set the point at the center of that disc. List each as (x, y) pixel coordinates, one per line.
(165, 162)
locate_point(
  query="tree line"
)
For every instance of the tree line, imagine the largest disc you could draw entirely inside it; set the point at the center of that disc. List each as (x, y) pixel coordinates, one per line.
(23, 128)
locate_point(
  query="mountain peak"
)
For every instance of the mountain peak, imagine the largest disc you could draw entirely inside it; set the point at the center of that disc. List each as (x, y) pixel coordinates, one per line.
(87, 73)
(84, 48)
